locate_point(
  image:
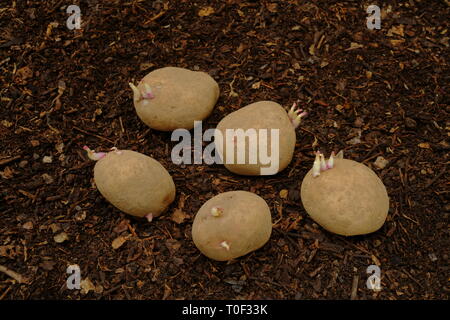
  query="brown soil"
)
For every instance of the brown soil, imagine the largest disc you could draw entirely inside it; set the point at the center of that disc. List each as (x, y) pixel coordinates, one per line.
(62, 89)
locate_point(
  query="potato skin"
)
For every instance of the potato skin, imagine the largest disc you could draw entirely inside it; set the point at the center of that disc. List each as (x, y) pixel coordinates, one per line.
(245, 223)
(349, 199)
(181, 97)
(134, 183)
(259, 115)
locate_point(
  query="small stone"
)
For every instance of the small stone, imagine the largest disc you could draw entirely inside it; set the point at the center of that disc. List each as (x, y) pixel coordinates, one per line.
(410, 123)
(358, 122)
(47, 178)
(61, 237)
(35, 143)
(60, 147)
(381, 162)
(395, 260)
(354, 140)
(28, 225)
(23, 163)
(47, 159)
(80, 216)
(35, 156)
(47, 265)
(7, 123)
(55, 227)
(433, 257)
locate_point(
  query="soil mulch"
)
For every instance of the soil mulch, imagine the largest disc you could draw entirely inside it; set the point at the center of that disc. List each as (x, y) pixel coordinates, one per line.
(372, 93)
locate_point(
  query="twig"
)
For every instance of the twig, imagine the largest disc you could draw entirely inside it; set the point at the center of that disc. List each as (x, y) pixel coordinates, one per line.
(5, 293)
(354, 287)
(435, 179)
(268, 281)
(8, 160)
(313, 134)
(93, 134)
(19, 278)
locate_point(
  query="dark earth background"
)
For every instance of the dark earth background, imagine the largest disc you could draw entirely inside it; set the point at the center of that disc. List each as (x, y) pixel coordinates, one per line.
(373, 93)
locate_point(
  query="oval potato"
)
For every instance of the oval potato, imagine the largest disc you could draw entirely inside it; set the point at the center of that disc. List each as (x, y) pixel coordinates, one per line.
(181, 96)
(349, 199)
(134, 183)
(244, 224)
(258, 115)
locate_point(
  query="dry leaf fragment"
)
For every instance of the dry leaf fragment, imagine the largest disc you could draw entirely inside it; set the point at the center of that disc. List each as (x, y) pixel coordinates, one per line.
(241, 48)
(178, 216)
(173, 245)
(121, 226)
(256, 85)
(396, 30)
(284, 194)
(119, 241)
(354, 46)
(7, 173)
(272, 7)
(381, 162)
(424, 145)
(206, 11)
(375, 260)
(55, 227)
(8, 251)
(86, 286)
(396, 43)
(324, 63)
(167, 292)
(24, 73)
(146, 65)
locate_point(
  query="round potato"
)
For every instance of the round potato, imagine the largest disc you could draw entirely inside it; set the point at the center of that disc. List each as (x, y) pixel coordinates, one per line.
(134, 183)
(277, 153)
(232, 224)
(348, 199)
(171, 98)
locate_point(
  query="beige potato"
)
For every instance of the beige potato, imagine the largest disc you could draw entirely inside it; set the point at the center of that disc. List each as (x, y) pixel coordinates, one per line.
(232, 224)
(258, 115)
(134, 183)
(171, 98)
(348, 199)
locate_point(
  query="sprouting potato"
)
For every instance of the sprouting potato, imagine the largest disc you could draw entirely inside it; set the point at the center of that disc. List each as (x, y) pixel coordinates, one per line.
(274, 138)
(171, 98)
(344, 196)
(232, 224)
(133, 182)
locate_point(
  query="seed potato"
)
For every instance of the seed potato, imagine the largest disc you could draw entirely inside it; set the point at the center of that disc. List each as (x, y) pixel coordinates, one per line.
(348, 199)
(171, 98)
(134, 183)
(232, 224)
(258, 115)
